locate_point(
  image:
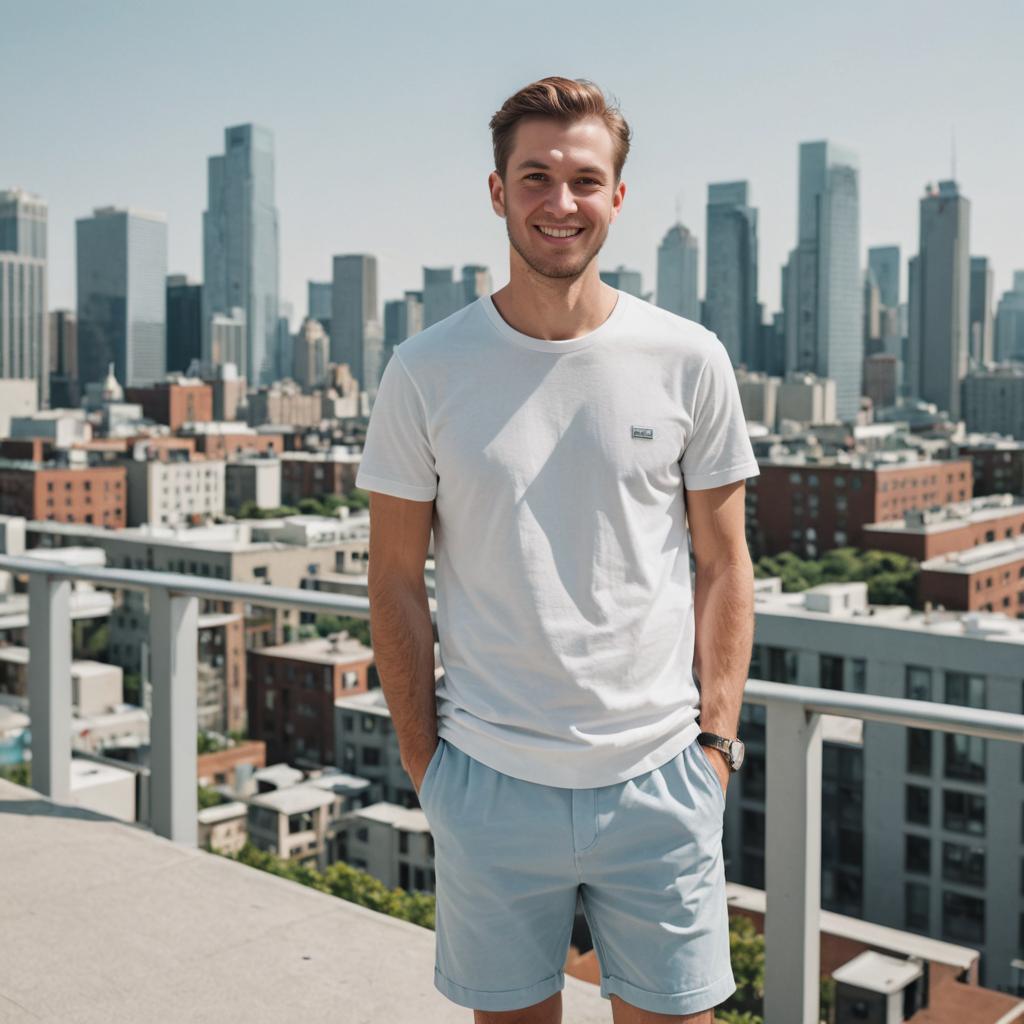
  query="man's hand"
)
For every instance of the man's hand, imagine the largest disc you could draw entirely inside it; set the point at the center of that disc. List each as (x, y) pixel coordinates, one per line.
(720, 763)
(416, 766)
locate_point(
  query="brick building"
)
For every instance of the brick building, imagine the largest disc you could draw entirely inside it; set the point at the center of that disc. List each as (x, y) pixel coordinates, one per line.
(812, 506)
(928, 533)
(174, 402)
(313, 474)
(64, 493)
(292, 690)
(988, 578)
(998, 464)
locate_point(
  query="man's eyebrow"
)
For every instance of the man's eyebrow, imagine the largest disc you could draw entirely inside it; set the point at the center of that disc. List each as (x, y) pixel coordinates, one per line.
(541, 166)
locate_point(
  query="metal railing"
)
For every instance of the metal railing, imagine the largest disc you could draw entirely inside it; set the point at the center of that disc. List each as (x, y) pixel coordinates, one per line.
(793, 743)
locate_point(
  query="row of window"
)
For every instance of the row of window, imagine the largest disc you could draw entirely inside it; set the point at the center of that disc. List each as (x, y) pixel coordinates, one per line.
(963, 917)
(962, 864)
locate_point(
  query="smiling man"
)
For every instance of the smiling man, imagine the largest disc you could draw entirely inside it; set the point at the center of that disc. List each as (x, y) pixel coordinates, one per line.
(559, 437)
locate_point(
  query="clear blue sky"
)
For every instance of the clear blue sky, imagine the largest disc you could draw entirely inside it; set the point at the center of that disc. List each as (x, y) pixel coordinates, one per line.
(380, 115)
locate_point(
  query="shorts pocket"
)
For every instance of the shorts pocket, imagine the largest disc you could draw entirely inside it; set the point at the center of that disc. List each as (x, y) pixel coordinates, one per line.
(426, 783)
(710, 775)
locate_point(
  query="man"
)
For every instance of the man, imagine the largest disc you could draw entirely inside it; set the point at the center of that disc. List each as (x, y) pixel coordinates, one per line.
(557, 436)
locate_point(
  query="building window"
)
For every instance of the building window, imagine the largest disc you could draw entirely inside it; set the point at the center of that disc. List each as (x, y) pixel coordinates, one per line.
(919, 752)
(919, 805)
(369, 723)
(963, 812)
(858, 675)
(781, 665)
(965, 758)
(918, 683)
(965, 690)
(916, 902)
(830, 672)
(963, 864)
(918, 855)
(963, 918)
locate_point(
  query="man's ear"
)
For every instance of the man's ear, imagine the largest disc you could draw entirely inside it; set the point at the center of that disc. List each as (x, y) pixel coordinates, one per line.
(617, 198)
(497, 191)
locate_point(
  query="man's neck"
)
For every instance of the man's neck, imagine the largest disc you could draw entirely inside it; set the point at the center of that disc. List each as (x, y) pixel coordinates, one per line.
(553, 309)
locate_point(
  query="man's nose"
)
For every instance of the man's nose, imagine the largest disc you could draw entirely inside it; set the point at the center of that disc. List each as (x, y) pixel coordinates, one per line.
(560, 199)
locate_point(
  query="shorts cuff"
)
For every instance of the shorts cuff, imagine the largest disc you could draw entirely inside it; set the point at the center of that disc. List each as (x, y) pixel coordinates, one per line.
(706, 998)
(503, 999)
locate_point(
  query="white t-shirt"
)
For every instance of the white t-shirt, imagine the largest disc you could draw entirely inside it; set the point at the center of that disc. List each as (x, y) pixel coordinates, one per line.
(564, 606)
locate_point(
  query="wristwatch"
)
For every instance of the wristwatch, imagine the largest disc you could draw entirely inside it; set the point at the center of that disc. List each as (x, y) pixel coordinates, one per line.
(733, 749)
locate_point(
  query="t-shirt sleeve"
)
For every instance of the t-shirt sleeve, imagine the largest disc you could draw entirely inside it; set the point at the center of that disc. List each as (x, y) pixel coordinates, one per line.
(719, 451)
(397, 455)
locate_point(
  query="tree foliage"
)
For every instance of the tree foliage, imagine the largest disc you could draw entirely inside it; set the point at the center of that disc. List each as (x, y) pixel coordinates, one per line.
(891, 578)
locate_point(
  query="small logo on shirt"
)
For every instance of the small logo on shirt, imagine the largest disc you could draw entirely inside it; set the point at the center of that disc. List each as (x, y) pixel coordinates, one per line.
(647, 433)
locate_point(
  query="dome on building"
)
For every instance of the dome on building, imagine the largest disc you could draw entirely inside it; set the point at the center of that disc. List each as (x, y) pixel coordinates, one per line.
(112, 391)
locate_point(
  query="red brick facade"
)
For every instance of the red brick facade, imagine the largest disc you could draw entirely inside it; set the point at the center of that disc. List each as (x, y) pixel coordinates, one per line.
(174, 404)
(81, 494)
(811, 508)
(921, 544)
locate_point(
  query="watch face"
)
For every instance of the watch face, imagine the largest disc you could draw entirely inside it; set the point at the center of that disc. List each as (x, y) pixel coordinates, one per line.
(736, 754)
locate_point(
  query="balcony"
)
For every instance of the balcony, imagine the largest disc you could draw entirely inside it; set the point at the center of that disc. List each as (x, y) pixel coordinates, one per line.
(106, 921)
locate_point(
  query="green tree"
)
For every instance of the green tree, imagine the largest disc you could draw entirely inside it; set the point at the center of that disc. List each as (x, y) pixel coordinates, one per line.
(207, 797)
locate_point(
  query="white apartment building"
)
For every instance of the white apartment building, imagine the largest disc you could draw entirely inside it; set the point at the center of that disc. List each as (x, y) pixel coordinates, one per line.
(175, 492)
(921, 831)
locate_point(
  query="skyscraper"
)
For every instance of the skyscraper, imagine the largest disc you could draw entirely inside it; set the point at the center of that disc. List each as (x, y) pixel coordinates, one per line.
(824, 293)
(884, 264)
(24, 333)
(678, 255)
(402, 319)
(730, 285)
(122, 295)
(318, 303)
(1010, 322)
(356, 337)
(980, 326)
(940, 298)
(629, 281)
(442, 294)
(184, 322)
(63, 336)
(476, 281)
(240, 245)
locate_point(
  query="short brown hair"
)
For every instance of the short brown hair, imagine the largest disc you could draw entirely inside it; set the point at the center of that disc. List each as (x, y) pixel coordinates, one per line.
(563, 99)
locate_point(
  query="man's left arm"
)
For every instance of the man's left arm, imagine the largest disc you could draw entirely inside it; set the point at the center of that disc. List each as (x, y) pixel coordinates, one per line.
(723, 608)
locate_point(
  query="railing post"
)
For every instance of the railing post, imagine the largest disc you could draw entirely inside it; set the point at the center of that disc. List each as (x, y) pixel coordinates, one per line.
(792, 865)
(173, 637)
(49, 685)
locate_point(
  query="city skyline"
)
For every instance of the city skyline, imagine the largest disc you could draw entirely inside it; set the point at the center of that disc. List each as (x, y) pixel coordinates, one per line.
(147, 146)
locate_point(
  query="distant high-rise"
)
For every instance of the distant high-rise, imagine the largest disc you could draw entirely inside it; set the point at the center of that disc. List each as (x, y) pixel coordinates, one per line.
(240, 244)
(122, 296)
(184, 322)
(224, 341)
(24, 333)
(318, 302)
(23, 219)
(824, 290)
(678, 256)
(980, 325)
(476, 281)
(884, 264)
(940, 299)
(730, 286)
(310, 355)
(1010, 322)
(628, 281)
(402, 319)
(63, 334)
(356, 337)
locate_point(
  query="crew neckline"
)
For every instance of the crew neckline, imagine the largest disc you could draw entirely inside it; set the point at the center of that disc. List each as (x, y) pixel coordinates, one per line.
(554, 347)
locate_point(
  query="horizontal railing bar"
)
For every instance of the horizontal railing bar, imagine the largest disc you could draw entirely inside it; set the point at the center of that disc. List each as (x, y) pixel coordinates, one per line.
(993, 725)
(199, 586)
(997, 725)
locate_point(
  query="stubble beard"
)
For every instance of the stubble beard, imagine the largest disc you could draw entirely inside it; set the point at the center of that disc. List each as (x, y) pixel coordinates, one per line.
(554, 269)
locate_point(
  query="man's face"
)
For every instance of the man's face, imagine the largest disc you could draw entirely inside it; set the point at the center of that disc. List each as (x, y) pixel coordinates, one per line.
(559, 178)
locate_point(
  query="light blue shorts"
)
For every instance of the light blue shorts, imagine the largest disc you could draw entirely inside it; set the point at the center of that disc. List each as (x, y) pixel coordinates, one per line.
(645, 855)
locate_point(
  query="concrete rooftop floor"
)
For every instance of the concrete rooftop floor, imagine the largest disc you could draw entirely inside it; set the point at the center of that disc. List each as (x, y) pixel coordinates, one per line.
(102, 921)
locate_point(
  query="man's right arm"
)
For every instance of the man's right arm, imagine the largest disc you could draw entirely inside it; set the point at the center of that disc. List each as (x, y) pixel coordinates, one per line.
(403, 637)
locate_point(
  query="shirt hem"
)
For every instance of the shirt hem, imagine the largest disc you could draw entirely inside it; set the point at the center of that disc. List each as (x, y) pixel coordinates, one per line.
(397, 489)
(533, 769)
(723, 476)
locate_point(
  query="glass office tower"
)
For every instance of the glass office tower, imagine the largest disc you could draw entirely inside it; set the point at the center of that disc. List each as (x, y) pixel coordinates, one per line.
(122, 295)
(240, 245)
